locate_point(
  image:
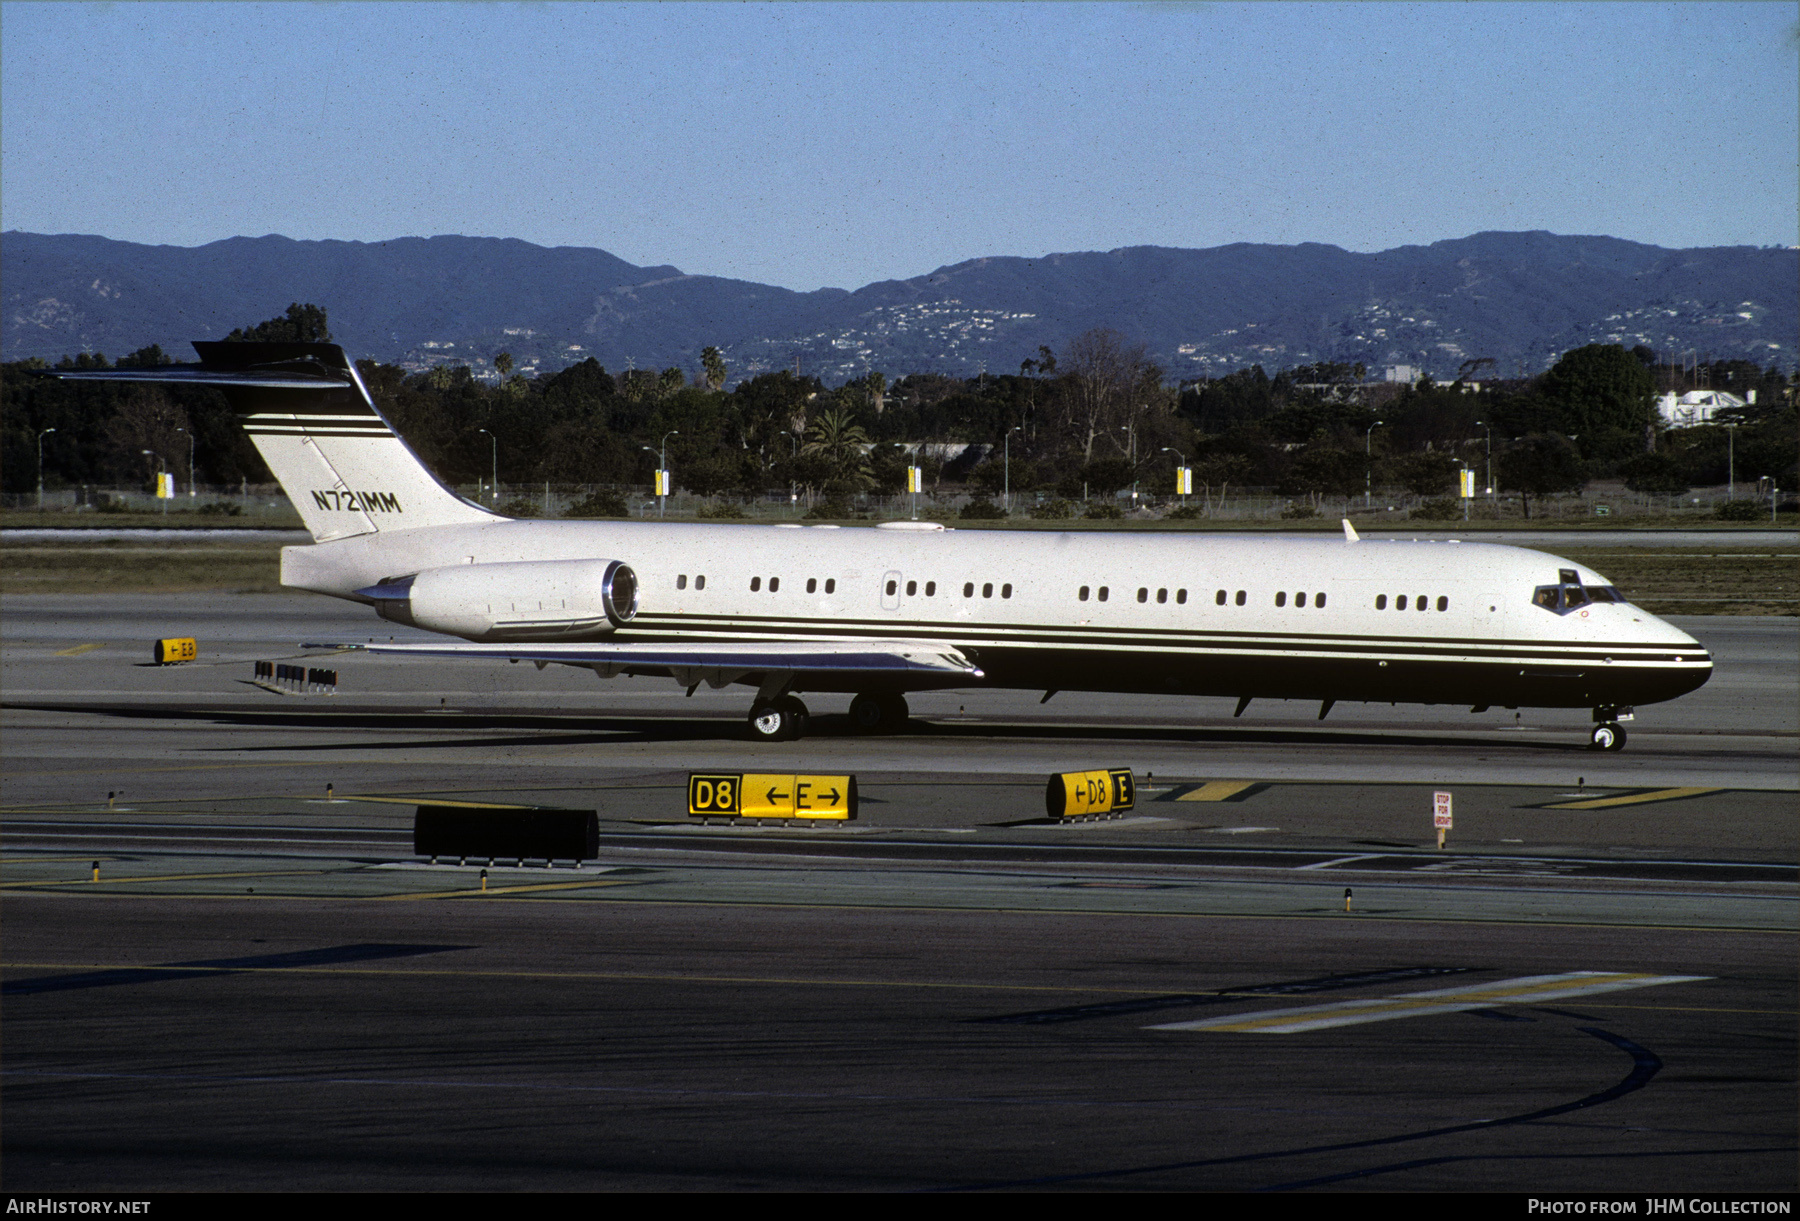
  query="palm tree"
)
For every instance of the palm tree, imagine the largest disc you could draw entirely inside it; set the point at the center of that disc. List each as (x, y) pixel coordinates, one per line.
(840, 442)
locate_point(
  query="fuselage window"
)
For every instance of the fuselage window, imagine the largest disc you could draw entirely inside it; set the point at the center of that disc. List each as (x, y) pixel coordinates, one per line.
(812, 584)
(1181, 597)
(931, 589)
(774, 584)
(1380, 601)
(1103, 593)
(1219, 598)
(830, 585)
(1400, 602)
(912, 587)
(1162, 595)
(1006, 591)
(1319, 601)
(699, 582)
(1300, 600)
(1443, 603)
(1083, 595)
(987, 590)
(755, 584)
(1240, 597)
(1143, 594)
(1424, 603)
(968, 589)
(891, 587)
(1281, 599)
(681, 581)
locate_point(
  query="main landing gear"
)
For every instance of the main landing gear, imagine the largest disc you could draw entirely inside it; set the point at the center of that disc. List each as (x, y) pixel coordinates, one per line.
(1608, 733)
(779, 720)
(783, 719)
(878, 713)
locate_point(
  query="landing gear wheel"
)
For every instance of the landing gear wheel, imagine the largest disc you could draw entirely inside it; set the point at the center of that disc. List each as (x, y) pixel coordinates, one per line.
(878, 713)
(781, 721)
(1607, 737)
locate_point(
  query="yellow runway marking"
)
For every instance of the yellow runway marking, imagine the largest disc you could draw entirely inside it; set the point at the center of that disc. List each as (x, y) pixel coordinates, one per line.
(1217, 790)
(475, 892)
(666, 978)
(78, 650)
(171, 877)
(599, 976)
(1529, 989)
(198, 767)
(1631, 799)
(435, 801)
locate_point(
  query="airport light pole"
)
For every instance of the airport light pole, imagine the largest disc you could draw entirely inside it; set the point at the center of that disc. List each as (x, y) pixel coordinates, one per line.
(40, 447)
(1369, 464)
(1488, 442)
(662, 465)
(1131, 440)
(494, 491)
(190, 437)
(1006, 467)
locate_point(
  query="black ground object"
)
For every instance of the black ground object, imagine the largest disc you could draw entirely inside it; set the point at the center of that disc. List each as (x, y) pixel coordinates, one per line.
(879, 713)
(537, 834)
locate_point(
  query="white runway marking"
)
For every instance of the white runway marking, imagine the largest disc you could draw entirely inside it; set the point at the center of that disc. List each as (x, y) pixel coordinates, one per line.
(1527, 989)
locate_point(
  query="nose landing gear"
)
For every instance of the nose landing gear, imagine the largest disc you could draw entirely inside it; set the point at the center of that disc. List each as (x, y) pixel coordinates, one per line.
(1607, 737)
(1608, 733)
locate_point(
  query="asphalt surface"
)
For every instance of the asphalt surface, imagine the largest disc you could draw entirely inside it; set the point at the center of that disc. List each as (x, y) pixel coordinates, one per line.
(1264, 976)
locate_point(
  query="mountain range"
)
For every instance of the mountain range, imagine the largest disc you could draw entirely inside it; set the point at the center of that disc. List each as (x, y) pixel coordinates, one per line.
(1520, 299)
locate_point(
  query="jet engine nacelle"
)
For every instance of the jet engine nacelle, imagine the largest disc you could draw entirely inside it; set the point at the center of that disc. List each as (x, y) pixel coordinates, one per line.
(530, 600)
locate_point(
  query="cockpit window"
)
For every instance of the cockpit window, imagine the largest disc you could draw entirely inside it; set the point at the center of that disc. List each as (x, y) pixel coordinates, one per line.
(1561, 599)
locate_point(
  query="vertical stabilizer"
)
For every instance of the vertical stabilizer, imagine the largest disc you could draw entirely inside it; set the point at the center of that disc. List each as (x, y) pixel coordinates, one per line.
(344, 467)
(312, 420)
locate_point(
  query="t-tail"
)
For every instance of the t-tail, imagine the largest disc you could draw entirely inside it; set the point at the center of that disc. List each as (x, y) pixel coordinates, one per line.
(311, 418)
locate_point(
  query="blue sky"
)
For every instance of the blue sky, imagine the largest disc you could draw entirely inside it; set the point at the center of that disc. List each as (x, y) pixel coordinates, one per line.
(836, 144)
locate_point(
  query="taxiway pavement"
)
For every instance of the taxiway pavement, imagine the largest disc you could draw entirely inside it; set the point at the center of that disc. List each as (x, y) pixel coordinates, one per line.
(1593, 988)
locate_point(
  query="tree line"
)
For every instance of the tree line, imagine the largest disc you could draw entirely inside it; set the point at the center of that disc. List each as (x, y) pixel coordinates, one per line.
(1090, 418)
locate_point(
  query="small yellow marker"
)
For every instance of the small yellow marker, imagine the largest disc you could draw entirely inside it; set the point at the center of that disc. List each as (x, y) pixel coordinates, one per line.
(96, 871)
(484, 881)
(109, 799)
(328, 792)
(1346, 898)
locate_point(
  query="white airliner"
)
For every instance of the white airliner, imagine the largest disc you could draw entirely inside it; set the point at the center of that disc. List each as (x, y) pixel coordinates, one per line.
(911, 606)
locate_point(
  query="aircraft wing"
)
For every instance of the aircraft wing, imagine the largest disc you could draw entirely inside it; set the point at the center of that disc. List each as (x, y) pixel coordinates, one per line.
(717, 663)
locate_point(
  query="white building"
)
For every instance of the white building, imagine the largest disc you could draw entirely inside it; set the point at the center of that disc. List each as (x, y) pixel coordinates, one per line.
(1697, 406)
